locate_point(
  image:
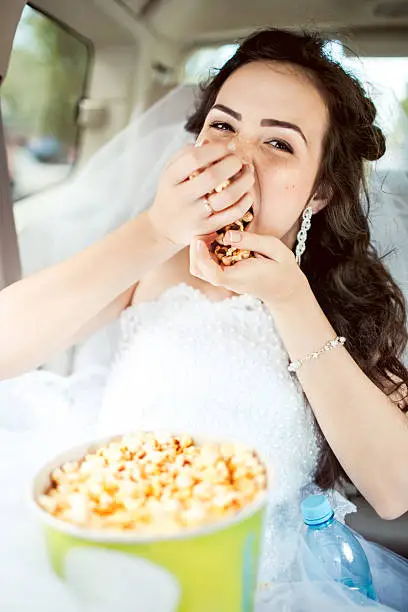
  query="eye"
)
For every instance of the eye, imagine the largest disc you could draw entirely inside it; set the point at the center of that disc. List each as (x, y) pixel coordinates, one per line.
(281, 145)
(222, 126)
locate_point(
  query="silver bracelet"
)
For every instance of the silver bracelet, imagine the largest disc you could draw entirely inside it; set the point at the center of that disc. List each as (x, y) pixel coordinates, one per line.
(329, 346)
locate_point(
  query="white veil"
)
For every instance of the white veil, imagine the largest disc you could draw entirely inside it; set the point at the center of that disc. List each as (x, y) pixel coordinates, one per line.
(121, 179)
(118, 183)
(389, 188)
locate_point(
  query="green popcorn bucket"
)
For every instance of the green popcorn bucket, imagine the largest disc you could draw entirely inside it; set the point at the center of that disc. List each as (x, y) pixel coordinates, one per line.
(208, 569)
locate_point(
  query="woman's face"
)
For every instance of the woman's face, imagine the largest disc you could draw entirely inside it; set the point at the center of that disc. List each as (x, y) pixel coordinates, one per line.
(278, 120)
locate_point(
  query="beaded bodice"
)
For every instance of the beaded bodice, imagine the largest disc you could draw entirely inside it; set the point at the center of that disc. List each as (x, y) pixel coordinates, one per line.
(192, 365)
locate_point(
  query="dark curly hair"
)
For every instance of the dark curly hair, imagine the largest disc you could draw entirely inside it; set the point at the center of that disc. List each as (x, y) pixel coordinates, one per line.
(347, 276)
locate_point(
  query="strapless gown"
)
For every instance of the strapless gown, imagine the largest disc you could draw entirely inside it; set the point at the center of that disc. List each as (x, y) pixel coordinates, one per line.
(184, 364)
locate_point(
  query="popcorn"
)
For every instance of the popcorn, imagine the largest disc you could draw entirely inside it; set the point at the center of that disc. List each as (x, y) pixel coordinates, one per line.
(229, 255)
(154, 484)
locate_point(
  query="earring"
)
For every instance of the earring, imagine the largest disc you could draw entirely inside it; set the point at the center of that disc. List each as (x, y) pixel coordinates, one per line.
(302, 234)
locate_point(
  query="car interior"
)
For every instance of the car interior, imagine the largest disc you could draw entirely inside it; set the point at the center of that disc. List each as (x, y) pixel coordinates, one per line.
(73, 74)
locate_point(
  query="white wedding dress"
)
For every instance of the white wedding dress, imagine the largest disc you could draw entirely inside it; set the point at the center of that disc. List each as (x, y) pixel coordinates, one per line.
(184, 364)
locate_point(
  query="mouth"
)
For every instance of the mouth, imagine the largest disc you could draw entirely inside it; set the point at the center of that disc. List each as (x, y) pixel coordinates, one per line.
(255, 206)
(229, 255)
(255, 211)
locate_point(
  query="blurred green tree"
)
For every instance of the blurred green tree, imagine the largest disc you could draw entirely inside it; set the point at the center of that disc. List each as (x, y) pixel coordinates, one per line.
(45, 81)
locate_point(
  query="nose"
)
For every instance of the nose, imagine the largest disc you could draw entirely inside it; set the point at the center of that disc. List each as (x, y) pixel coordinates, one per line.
(247, 149)
(243, 147)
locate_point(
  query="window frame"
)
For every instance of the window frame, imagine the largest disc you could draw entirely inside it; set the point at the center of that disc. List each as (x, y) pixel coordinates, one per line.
(10, 266)
(90, 50)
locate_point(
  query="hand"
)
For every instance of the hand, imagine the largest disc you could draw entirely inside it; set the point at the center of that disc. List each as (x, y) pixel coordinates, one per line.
(179, 212)
(272, 276)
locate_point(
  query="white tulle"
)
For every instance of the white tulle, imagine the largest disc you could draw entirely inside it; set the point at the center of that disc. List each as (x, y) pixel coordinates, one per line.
(118, 183)
(252, 398)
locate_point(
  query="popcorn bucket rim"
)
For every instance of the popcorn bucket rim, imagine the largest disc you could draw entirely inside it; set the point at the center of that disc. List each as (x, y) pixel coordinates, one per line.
(107, 536)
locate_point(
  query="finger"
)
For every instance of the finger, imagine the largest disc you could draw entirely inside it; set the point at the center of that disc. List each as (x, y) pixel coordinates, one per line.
(230, 215)
(195, 159)
(269, 246)
(234, 192)
(180, 153)
(194, 268)
(214, 176)
(204, 265)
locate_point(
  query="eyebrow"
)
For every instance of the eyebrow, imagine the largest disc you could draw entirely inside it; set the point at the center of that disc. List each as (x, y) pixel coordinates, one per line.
(264, 122)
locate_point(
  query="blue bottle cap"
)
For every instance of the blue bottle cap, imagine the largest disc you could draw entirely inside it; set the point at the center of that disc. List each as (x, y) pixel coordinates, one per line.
(316, 509)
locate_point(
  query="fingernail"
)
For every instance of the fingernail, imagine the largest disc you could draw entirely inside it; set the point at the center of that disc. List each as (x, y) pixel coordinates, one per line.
(233, 236)
(232, 145)
(200, 142)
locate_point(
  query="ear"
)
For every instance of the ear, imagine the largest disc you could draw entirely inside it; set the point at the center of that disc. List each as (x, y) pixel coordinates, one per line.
(321, 198)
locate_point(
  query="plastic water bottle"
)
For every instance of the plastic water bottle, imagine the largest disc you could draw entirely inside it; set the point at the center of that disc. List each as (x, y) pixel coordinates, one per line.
(336, 548)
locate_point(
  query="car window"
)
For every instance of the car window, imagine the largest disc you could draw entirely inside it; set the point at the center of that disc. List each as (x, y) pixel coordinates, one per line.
(202, 62)
(40, 95)
(386, 81)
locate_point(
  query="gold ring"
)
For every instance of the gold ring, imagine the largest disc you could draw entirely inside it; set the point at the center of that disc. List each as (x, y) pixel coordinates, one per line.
(208, 206)
(223, 186)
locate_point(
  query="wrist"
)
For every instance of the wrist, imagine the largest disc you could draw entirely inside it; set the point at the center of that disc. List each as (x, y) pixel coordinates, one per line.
(301, 323)
(293, 300)
(158, 238)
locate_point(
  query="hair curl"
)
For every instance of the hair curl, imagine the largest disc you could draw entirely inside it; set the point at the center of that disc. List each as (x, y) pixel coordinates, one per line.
(348, 278)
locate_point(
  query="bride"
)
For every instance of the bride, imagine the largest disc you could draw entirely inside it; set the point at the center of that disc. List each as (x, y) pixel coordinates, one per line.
(297, 350)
